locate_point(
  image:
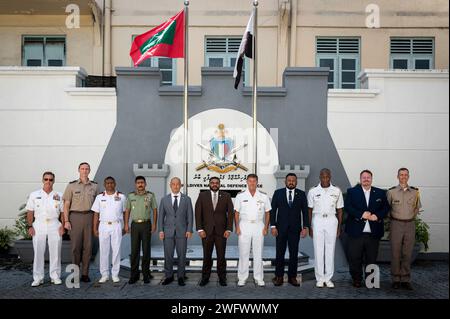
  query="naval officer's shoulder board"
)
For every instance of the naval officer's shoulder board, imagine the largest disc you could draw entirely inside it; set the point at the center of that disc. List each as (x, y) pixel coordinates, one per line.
(393, 187)
(415, 188)
(73, 182)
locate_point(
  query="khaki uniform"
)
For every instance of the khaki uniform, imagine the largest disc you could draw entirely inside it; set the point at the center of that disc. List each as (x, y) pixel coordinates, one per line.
(81, 197)
(141, 208)
(405, 205)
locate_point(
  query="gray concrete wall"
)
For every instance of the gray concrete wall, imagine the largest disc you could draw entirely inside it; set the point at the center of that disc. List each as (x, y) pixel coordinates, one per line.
(147, 113)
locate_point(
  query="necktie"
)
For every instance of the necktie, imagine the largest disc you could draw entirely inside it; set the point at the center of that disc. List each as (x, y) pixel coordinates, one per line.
(290, 199)
(175, 204)
(214, 200)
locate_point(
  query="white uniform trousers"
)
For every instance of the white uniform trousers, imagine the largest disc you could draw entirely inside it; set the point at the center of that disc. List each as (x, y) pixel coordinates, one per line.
(47, 231)
(324, 239)
(110, 237)
(251, 238)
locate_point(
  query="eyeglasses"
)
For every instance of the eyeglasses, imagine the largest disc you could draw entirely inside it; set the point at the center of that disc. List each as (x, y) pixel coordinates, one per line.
(48, 179)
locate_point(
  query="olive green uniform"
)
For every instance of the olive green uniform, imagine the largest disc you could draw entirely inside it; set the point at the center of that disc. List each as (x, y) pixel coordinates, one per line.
(81, 197)
(141, 208)
(405, 204)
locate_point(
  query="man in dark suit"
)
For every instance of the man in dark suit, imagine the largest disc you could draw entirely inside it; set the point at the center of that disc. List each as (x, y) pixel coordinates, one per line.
(214, 220)
(175, 222)
(366, 207)
(289, 205)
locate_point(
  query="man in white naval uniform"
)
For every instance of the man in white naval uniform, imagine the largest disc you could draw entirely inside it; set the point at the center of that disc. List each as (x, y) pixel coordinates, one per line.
(325, 203)
(44, 206)
(252, 218)
(109, 208)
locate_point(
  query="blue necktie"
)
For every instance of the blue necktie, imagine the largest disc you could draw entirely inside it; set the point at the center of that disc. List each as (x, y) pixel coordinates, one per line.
(290, 199)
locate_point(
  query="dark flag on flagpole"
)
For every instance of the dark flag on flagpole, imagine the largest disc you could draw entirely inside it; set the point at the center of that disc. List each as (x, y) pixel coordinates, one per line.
(246, 49)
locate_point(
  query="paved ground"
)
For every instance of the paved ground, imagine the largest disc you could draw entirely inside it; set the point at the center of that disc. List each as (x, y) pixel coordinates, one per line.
(430, 280)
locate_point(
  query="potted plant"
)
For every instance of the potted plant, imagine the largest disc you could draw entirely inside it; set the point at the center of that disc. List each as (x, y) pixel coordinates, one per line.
(422, 239)
(6, 237)
(24, 244)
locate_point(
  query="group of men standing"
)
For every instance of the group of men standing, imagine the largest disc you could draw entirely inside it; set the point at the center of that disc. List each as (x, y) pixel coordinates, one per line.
(290, 215)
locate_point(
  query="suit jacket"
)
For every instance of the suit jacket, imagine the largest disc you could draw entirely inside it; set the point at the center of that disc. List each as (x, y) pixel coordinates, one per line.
(285, 218)
(179, 223)
(355, 205)
(208, 219)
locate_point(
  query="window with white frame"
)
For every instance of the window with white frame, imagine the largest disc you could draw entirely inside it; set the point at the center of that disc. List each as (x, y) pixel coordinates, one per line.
(412, 53)
(167, 66)
(222, 52)
(342, 56)
(43, 50)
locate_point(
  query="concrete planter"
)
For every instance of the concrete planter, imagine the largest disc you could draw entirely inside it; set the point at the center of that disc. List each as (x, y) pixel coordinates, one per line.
(384, 251)
(25, 251)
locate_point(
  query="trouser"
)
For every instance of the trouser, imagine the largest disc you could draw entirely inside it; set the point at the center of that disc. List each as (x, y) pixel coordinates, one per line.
(359, 249)
(220, 243)
(81, 239)
(324, 240)
(47, 231)
(170, 244)
(287, 239)
(251, 238)
(110, 236)
(141, 236)
(402, 245)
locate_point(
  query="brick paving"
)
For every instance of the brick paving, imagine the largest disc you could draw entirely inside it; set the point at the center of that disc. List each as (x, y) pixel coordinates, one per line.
(430, 280)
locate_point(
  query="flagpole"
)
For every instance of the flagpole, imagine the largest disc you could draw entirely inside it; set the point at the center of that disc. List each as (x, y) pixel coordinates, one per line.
(185, 98)
(255, 84)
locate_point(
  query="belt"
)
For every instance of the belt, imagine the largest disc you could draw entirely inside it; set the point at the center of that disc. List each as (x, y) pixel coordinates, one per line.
(140, 221)
(110, 223)
(250, 221)
(47, 220)
(325, 215)
(402, 220)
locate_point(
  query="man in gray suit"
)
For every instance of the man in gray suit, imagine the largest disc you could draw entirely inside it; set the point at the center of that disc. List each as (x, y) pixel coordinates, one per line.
(175, 225)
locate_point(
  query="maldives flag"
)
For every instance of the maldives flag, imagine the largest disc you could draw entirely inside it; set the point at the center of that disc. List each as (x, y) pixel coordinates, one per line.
(165, 40)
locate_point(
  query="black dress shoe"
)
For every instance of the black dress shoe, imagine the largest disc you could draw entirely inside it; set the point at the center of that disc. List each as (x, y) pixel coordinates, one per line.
(85, 278)
(167, 281)
(204, 282)
(407, 286)
(147, 280)
(133, 280)
(223, 282)
(181, 282)
(396, 285)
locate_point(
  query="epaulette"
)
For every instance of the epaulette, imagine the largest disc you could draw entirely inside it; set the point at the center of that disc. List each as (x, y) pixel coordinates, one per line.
(94, 182)
(241, 192)
(263, 192)
(393, 187)
(415, 188)
(73, 181)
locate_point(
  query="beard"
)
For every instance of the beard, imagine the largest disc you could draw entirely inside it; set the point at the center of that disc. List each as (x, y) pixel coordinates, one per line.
(291, 187)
